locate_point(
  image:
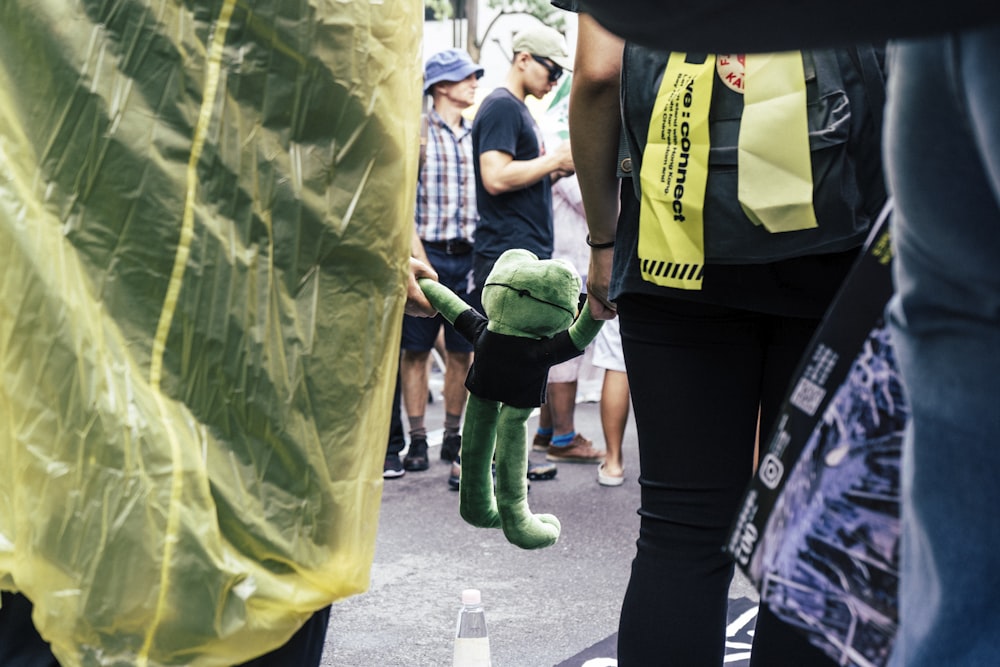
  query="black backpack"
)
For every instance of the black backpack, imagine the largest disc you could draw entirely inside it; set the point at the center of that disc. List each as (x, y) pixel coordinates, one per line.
(845, 91)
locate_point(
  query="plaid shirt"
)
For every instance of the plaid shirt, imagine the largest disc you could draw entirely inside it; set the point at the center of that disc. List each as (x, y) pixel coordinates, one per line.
(446, 191)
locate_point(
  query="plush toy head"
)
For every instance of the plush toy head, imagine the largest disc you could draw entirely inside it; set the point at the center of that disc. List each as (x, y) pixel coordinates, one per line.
(530, 297)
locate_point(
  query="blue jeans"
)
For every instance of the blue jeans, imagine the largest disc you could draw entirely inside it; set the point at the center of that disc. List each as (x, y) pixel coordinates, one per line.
(943, 167)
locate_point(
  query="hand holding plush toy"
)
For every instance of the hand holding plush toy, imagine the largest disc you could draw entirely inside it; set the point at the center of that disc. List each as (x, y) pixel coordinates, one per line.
(531, 324)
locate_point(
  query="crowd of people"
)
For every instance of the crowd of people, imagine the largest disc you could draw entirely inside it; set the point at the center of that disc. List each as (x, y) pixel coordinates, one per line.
(939, 103)
(486, 186)
(730, 346)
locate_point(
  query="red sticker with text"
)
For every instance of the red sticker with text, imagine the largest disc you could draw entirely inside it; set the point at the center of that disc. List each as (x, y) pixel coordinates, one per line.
(731, 68)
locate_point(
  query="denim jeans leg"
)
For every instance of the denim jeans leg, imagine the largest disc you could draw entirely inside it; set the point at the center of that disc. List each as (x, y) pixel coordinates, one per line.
(943, 166)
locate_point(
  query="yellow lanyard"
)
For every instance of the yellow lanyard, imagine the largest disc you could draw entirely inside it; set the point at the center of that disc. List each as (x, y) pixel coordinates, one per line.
(673, 176)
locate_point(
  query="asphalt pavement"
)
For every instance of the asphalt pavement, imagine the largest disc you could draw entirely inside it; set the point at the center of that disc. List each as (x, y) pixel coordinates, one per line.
(546, 607)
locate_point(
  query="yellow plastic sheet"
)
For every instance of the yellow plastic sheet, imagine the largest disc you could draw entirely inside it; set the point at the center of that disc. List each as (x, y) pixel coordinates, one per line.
(204, 222)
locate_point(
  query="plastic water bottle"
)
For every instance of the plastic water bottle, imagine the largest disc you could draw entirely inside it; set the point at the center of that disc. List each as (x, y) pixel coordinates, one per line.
(472, 643)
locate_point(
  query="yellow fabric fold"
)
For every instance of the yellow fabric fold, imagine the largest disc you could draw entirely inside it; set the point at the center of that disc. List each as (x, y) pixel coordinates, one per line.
(775, 169)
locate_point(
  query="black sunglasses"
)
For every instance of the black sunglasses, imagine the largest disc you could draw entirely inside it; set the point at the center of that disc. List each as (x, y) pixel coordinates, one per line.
(554, 70)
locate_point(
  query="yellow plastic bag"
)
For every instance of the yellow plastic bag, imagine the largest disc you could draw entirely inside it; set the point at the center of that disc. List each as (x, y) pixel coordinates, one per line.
(205, 211)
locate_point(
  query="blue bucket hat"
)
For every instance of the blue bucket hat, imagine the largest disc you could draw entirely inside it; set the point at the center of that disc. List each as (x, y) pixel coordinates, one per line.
(449, 65)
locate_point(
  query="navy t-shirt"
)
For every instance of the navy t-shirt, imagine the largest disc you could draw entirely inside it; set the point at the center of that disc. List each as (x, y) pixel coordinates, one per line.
(520, 218)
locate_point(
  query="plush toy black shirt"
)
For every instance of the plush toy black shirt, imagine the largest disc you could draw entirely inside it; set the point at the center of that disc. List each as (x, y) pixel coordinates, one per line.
(511, 369)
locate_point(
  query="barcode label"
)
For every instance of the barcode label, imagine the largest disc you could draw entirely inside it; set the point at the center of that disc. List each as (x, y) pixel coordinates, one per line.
(807, 396)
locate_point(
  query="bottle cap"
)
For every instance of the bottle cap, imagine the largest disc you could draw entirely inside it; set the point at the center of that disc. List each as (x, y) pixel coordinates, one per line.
(471, 596)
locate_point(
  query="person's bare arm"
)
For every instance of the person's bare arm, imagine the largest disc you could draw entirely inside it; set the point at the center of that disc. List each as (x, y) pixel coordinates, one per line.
(420, 267)
(416, 302)
(502, 173)
(594, 126)
(417, 249)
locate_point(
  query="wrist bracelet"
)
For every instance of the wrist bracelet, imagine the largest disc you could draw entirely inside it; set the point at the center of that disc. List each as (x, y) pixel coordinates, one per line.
(609, 244)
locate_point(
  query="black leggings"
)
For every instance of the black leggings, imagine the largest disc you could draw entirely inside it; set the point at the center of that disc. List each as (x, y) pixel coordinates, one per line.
(698, 374)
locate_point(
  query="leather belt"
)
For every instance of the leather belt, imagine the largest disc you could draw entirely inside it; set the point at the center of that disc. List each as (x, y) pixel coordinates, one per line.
(451, 246)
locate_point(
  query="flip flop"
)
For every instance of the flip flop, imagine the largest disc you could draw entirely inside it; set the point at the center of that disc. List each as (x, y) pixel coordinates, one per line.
(608, 480)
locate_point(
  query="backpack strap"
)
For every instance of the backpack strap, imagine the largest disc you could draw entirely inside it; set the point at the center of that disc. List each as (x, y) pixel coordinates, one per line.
(624, 168)
(865, 59)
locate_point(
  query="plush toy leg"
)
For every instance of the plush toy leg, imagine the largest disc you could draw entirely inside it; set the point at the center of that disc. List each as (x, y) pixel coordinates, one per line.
(520, 526)
(476, 502)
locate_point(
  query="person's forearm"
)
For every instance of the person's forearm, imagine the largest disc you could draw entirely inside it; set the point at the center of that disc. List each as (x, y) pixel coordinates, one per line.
(417, 248)
(417, 303)
(500, 176)
(594, 125)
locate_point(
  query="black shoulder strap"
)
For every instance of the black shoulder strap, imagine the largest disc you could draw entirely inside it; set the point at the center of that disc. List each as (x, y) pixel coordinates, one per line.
(624, 169)
(865, 59)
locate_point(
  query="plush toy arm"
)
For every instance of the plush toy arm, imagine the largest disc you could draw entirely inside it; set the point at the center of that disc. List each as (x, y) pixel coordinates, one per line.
(585, 329)
(447, 302)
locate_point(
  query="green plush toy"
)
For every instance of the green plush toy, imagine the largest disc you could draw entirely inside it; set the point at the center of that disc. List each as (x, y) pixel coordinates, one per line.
(531, 324)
